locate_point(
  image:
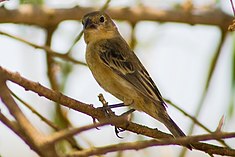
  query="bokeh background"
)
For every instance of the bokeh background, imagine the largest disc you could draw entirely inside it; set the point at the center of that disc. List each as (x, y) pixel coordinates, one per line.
(178, 56)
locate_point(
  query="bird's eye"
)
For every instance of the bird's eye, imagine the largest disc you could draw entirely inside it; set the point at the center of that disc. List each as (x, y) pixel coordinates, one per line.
(102, 19)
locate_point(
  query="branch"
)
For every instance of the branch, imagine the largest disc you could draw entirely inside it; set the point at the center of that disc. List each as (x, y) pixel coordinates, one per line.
(98, 113)
(145, 144)
(14, 126)
(103, 8)
(52, 74)
(15, 111)
(49, 123)
(47, 49)
(33, 137)
(44, 16)
(195, 120)
(211, 71)
(70, 132)
(77, 105)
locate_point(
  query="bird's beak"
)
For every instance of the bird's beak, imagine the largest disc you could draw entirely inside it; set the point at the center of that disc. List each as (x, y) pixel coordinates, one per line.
(89, 24)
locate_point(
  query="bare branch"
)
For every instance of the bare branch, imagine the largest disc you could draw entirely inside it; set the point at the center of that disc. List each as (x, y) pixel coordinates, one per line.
(15, 111)
(105, 6)
(99, 114)
(212, 67)
(35, 112)
(70, 132)
(44, 17)
(232, 7)
(47, 49)
(33, 137)
(145, 144)
(77, 105)
(14, 126)
(195, 120)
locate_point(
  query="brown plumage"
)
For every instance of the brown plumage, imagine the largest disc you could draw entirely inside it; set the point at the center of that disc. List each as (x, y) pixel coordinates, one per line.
(118, 70)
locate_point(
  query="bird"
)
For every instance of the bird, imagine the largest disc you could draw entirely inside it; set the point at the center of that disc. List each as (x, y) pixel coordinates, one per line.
(118, 70)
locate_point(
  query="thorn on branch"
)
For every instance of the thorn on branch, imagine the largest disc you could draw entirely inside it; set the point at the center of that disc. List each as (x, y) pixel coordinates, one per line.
(220, 125)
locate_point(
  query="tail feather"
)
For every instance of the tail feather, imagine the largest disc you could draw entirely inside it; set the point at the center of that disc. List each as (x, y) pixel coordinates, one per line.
(174, 129)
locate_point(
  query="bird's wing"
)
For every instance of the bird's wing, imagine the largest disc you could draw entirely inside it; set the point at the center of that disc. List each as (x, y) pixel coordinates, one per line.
(118, 56)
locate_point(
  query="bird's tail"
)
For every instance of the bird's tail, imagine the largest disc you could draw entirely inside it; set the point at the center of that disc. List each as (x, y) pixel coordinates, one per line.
(174, 129)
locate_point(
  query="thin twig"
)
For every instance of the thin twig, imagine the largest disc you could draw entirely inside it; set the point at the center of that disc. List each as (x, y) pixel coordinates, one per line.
(195, 120)
(71, 141)
(133, 41)
(60, 115)
(16, 112)
(70, 132)
(14, 126)
(231, 1)
(35, 112)
(68, 53)
(208, 82)
(105, 6)
(46, 48)
(33, 136)
(149, 143)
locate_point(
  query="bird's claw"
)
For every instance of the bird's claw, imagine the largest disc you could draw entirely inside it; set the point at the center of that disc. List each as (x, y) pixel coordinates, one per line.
(117, 131)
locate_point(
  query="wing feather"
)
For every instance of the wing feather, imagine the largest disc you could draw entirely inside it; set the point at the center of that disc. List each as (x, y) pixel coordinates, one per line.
(125, 63)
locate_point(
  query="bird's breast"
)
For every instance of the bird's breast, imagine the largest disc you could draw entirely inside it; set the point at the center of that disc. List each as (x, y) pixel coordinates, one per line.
(106, 77)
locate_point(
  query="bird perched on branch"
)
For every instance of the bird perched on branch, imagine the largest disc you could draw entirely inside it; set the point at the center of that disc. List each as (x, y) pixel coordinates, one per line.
(118, 70)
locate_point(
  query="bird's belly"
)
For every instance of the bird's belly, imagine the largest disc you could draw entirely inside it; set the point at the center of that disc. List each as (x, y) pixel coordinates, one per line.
(109, 80)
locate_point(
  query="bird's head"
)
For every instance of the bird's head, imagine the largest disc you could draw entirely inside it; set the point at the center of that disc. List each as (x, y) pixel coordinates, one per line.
(98, 25)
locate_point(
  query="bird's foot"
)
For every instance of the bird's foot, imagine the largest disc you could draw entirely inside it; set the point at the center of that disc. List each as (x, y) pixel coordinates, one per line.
(107, 109)
(125, 115)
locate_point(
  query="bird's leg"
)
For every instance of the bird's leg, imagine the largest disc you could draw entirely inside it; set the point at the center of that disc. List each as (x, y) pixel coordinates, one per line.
(107, 108)
(125, 114)
(108, 112)
(126, 102)
(115, 105)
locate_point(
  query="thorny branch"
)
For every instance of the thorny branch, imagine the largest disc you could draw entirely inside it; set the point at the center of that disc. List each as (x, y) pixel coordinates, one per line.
(44, 16)
(211, 71)
(99, 114)
(195, 120)
(28, 14)
(144, 144)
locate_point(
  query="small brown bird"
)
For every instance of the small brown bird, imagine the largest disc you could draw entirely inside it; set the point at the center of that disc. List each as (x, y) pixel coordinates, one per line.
(118, 70)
